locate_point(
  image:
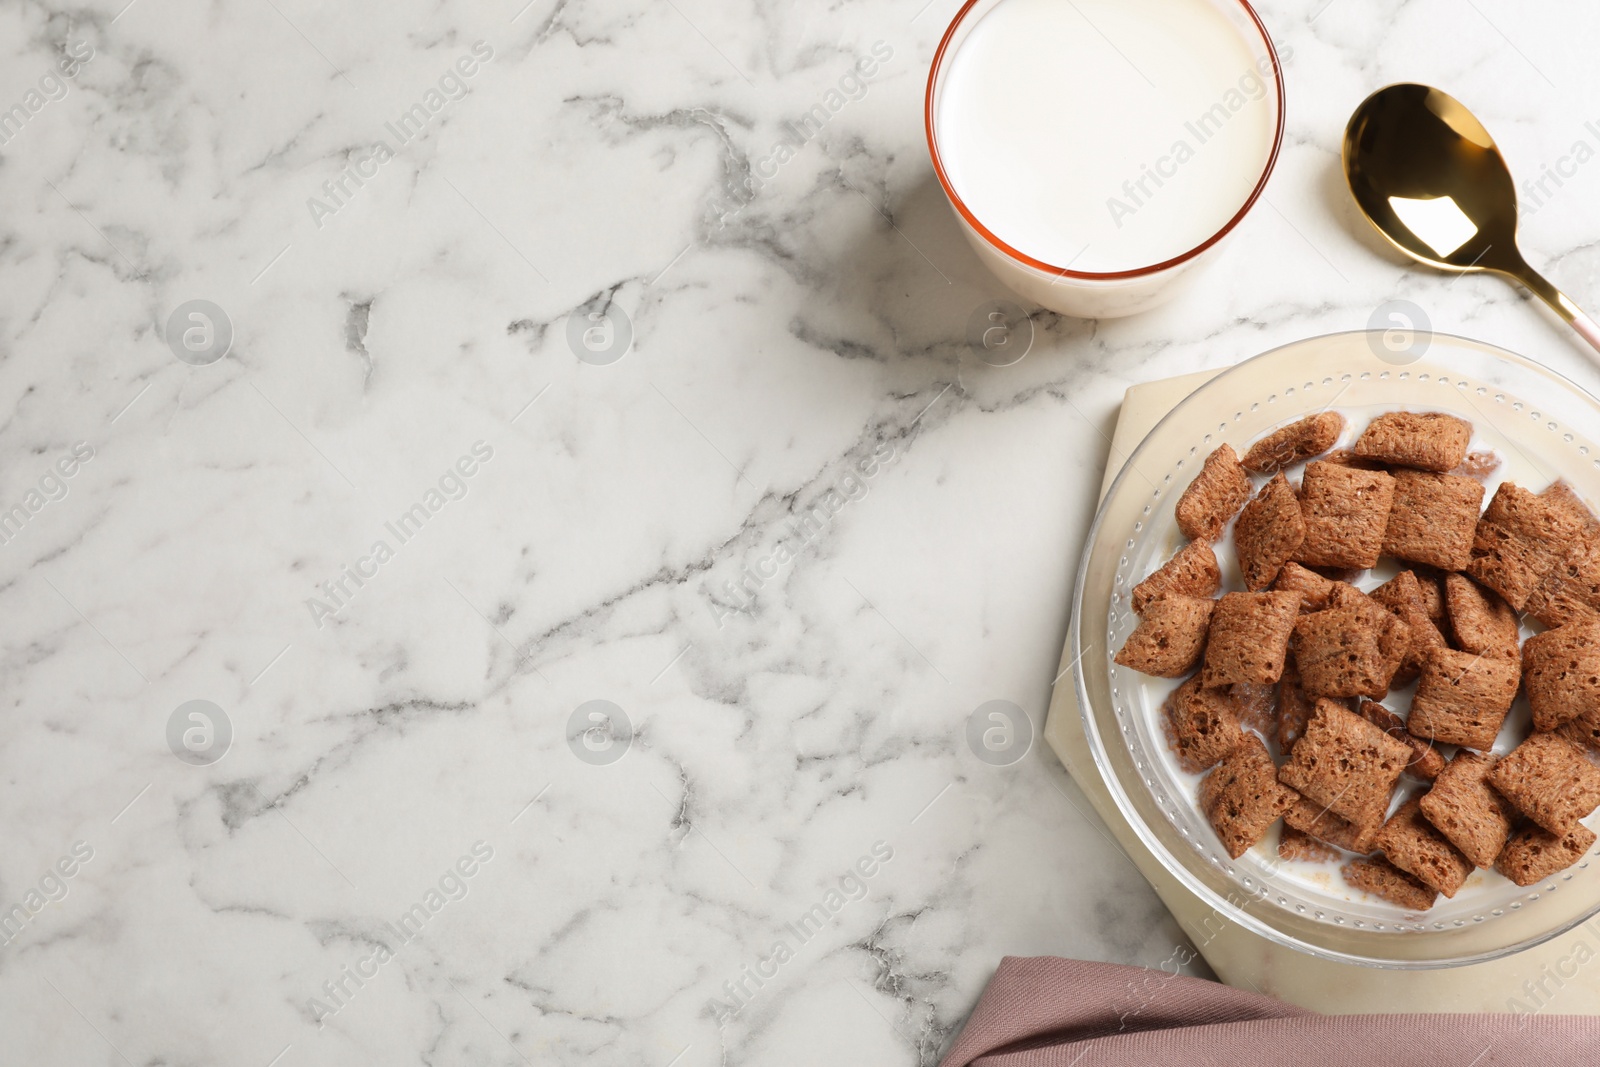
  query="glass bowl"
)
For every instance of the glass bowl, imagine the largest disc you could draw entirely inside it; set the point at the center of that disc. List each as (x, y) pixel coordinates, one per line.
(1534, 419)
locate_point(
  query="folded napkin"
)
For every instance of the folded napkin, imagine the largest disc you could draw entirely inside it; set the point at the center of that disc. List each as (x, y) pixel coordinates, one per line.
(1047, 1012)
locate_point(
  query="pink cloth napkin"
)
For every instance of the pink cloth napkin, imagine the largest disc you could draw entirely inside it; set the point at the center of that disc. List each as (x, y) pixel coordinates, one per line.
(1048, 1012)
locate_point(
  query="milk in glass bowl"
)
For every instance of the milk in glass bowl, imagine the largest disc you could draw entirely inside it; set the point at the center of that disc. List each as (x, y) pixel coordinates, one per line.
(1097, 151)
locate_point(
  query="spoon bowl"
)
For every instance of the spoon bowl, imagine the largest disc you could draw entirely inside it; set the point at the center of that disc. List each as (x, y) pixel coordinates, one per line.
(1432, 181)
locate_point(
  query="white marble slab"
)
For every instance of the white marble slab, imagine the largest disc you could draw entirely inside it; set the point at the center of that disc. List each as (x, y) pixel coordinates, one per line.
(596, 156)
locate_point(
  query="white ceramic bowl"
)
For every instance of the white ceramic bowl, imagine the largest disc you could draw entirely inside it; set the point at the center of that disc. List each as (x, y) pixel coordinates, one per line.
(1091, 294)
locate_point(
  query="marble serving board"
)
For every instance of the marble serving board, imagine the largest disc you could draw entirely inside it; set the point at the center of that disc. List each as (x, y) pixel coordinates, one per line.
(1553, 978)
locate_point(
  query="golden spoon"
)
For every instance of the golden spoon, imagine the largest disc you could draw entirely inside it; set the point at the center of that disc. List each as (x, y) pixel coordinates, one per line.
(1427, 174)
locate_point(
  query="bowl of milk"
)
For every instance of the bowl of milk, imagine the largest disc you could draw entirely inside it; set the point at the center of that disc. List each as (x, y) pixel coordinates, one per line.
(1097, 151)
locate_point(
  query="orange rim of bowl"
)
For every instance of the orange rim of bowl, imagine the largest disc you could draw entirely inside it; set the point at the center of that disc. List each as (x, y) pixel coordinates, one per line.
(1137, 272)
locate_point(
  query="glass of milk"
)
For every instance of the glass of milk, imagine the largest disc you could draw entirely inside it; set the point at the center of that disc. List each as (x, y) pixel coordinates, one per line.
(1097, 151)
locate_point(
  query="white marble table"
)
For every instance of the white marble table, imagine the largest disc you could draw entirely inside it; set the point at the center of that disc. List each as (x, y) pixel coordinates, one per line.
(399, 857)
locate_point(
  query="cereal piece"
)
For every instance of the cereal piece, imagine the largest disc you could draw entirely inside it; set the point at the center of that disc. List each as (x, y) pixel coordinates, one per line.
(1343, 457)
(1433, 519)
(1381, 878)
(1249, 637)
(1346, 513)
(1170, 637)
(1478, 465)
(1242, 796)
(1341, 575)
(1533, 855)
(1402, 596)
(1294, 708)
(1268, 532)
(1311, 436)
(1463, 808)
(1345, 595)
(1313, 588)
(1569, 591)
(1430, 441)
(1584, 731)
(1520, 539)
(1480, 620)
(1432, 590)
(1426, 760)
(1202, 725)
(1561, 674)
(1548, 780)
(1510, 566)
(1463, 698)
(1322, 824)
(1215, 496)
(1299, 845)
(1565, 499)
(1346, 764)
(1256, 706)
(1412, 844)
(1193, 571)
(1350, 651)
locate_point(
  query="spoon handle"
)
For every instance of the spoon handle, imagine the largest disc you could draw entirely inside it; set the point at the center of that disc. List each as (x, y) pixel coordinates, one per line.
(1588, 329)
(1562, 304)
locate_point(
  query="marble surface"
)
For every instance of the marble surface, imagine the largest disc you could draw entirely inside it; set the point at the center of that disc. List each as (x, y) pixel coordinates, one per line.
(412, 848)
